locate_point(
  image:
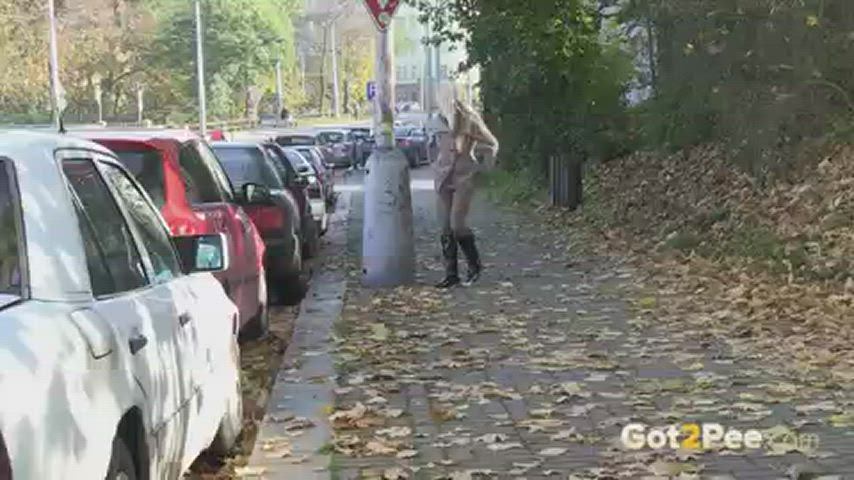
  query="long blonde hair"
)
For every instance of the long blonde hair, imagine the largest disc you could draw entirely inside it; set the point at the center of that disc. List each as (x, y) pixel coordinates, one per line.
(455, 110)
(446, 98)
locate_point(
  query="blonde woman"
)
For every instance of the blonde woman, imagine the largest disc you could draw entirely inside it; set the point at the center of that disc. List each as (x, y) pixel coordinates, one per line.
(459, 129)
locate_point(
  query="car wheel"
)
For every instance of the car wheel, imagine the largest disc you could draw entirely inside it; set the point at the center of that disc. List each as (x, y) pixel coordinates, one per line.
(122, 466)
(293, 287)
(311, 247)
(231, 424)
(258, 326)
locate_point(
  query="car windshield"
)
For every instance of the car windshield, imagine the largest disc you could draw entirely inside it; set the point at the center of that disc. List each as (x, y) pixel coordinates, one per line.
(247, 165)
(295, 140)
(10, 240)
(147, 167)
(314, 159)
(281, 159)
(401, 132)
(331, 137)
(298, 160)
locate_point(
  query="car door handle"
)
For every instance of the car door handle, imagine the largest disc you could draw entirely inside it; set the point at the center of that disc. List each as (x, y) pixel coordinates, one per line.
(184, 318)
(137, 343)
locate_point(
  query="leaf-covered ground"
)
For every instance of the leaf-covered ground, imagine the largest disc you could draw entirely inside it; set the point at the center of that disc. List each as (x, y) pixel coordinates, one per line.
(764, 264)
(260, 361)
(534, 372)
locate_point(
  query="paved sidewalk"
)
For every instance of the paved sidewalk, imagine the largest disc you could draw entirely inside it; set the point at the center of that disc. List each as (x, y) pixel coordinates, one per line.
(534, 373)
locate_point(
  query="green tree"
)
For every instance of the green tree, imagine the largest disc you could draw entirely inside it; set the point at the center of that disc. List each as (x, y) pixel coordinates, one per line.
(758, 74)
(242, 40)
(551, 84)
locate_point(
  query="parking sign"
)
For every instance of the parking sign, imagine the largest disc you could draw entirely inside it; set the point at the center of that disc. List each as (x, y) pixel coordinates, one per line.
(372, 90)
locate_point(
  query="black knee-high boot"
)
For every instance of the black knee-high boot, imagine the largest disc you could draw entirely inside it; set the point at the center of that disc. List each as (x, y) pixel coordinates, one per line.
(449, 256)
(469, 247)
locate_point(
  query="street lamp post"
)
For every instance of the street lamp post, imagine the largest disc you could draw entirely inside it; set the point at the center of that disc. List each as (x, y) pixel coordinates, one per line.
(200, 71)
(336, 95)
(388, 246)
(57, 100)
(140, 104)
(280, 101)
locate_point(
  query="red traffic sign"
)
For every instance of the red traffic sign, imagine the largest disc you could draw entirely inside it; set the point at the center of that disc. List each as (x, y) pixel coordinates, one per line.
(382, 11)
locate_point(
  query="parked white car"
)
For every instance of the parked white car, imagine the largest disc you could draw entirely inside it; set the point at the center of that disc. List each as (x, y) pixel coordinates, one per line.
(118, 356)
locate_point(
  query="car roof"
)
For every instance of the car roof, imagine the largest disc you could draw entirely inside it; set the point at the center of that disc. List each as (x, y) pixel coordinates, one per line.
(301, 134)
(242, 145)
(180, 135)
(21, 144)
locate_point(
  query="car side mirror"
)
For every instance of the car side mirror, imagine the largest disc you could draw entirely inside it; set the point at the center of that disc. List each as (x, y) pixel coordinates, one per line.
(254, 193)
(203, 253)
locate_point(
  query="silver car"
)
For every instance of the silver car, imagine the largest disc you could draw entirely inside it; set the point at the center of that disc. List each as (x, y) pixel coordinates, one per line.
(340, 146)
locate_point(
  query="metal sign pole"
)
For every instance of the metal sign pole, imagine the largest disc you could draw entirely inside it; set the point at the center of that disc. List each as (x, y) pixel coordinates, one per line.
(200, 72)
(388, 245)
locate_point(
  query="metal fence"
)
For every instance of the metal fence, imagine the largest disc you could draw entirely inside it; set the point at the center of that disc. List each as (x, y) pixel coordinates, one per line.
(565, 181)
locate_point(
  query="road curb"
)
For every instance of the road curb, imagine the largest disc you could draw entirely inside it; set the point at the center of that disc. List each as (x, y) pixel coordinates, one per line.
(303, 393)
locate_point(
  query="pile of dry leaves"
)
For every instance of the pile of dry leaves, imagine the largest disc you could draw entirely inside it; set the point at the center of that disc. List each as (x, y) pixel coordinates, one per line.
(764, 263)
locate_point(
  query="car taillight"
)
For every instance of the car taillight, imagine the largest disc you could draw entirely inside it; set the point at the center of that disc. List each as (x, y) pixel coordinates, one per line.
(267, 218)
(5, 462)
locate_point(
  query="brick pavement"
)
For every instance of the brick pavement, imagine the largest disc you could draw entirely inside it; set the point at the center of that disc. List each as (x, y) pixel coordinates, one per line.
(534, 372)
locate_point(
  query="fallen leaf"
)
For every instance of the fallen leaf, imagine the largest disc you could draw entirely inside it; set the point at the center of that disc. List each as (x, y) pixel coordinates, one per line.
(379, 447)
(250, 471)
(647, 302)
(845, 419)
(500, 447)
(392, 412)
(491, 438)
(395, 432)
(552, 452)
(395, 474)
(379, 332)
(670, 469)
(299, 423)
(407, 454)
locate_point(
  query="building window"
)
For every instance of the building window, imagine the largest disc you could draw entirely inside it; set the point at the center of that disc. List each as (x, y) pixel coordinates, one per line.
(400, 73)
(444, 72)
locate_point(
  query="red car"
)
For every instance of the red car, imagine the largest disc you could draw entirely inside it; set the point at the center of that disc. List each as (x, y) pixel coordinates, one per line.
(184, 179)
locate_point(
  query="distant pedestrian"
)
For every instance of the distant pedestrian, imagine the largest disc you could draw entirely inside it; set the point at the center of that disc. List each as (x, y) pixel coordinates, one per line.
(458, 129)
